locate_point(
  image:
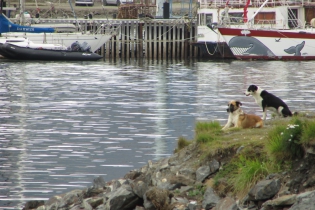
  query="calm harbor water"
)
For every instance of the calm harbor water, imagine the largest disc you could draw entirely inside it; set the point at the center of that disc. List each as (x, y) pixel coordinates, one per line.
(63, 124)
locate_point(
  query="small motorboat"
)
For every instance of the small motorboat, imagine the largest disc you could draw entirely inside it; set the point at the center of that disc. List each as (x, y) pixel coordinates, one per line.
(27, 50)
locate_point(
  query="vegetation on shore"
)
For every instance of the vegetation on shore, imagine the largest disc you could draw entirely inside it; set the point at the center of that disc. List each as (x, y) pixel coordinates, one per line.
(257, 152)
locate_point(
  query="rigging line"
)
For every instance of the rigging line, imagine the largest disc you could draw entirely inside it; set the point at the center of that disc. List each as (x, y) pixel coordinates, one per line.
(179, 21)
(75, 17)
(104, 9)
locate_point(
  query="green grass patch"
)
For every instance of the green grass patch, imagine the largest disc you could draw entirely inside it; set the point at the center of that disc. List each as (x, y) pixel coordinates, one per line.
(308, 134)
(205, 137)
(212, 126)
(206, 132)
(266, 150)
(284, 141)
(199, 191)
(182, 143)
(250, 171)
(242, 173)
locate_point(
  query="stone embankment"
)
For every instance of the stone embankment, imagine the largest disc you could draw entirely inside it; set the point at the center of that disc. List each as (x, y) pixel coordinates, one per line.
(174, 183)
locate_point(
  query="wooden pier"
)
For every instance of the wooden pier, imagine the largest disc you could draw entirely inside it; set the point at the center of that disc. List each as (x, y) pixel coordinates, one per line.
(147, 38)
(153, 39)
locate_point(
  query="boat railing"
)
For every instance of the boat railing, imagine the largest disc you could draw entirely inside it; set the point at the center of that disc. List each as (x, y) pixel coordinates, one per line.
(262, 23)
(108, 28)
(84, 26)
(203, 4)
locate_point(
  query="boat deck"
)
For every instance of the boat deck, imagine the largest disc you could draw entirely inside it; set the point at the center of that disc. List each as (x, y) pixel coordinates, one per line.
(253, 3)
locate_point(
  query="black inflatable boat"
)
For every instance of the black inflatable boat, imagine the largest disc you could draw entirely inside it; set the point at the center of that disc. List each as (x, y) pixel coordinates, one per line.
(11, 51)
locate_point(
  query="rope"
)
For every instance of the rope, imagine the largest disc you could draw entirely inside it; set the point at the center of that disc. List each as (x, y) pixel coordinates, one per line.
(214, 49)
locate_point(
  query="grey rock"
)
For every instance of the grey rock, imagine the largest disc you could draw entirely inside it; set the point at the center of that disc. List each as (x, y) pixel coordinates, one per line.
(210, 199)
(139, 187)
(264, 190)
(99, 182)
(286, 200)
(123, 198)
(305, 201)
(202, 173)
(226, 203)
(214, 166)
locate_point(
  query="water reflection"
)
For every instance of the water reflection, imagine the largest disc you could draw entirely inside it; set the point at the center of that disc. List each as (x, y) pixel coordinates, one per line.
(62, 124)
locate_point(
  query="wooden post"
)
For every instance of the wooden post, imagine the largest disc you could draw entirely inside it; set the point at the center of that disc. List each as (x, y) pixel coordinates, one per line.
(149, 32)
(174, 41)
(183, 40)
(106, 46)
(118, 44)
(178, 43)
(190, 40)
(155, 45)
(195, 38)
(165, 34)
(112, 49)
(160, 40)
(133, 34)
(140, 41)
(127, 39)
(123, 39)
(146, 40)
(103, 51)
(171, 38)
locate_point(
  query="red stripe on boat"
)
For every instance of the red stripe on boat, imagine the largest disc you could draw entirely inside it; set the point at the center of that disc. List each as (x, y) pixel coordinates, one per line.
(267, 33)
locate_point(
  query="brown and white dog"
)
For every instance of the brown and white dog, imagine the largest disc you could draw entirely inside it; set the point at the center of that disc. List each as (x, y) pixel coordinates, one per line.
(237, 118)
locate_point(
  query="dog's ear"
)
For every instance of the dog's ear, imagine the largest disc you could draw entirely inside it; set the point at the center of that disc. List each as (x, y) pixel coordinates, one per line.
(238, 103)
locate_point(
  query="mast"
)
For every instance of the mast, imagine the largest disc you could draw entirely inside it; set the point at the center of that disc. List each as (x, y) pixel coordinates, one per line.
(22, 9)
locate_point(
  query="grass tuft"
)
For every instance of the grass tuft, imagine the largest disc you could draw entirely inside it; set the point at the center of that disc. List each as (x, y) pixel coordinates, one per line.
(284, 141)
(182, 143)
(207, 131)
(212, 126)
(250, 171)
(308, 134)
(205, 137)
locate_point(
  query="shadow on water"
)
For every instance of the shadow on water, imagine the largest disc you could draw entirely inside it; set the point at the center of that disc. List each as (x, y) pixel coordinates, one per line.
(65, 123)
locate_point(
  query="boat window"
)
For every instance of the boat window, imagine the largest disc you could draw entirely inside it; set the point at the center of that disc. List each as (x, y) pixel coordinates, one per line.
(205, 19)
(208, 19)
(265, 18)
(236, 17)
(14, 40)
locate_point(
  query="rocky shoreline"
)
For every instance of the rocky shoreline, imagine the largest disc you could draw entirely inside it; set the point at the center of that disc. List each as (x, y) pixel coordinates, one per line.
(183, 182)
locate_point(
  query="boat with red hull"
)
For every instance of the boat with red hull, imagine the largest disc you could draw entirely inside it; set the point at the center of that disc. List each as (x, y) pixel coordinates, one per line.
(242, 14)
(270, 44)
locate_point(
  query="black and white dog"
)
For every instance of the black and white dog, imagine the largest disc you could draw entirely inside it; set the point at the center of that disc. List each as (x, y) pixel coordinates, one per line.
(268, 101)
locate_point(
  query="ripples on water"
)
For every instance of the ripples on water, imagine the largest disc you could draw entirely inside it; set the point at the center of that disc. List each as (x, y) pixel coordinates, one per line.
(63, 124)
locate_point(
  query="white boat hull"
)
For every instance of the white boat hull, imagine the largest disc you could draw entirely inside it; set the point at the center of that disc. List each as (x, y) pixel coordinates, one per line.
(95, 41)
(271, 44)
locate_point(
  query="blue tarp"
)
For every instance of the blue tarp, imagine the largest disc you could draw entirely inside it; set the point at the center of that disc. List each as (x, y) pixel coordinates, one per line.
(7, 26)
